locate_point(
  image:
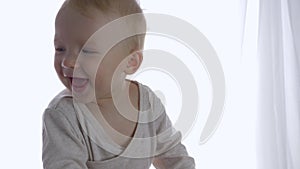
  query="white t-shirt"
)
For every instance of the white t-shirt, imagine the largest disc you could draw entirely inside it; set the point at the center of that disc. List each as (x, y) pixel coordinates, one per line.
(72, 139)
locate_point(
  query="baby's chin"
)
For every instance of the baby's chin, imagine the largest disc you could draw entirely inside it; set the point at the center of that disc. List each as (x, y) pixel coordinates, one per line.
(83, 100)
(84, 96)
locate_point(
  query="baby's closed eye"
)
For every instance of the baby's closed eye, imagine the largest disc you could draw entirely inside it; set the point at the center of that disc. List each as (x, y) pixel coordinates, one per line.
(90, 51)
(59, 49)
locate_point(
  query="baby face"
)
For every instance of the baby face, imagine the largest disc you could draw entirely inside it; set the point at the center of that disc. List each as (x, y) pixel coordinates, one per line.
(77, 59)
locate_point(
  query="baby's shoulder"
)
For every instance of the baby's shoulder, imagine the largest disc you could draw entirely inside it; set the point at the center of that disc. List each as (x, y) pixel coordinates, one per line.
(62, 105)
(60, 117)
(61, 101)
(152, 109)
(150, 99)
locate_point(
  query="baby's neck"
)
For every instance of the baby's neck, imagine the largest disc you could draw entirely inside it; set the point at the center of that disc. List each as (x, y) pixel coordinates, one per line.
(118, 94)
(126, 95)
(125, 102)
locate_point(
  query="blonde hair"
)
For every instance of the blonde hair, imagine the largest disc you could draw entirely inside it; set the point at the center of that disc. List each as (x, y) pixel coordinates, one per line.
(122, 8)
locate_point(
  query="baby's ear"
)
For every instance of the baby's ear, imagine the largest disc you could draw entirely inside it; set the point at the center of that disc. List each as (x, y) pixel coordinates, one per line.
(133, 61)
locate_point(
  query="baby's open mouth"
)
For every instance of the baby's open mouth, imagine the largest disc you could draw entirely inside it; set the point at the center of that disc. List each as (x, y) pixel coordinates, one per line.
(79, 84)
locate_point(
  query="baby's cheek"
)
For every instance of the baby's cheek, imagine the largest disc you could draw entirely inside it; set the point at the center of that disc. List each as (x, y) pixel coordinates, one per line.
(101, 72)
(58, 69)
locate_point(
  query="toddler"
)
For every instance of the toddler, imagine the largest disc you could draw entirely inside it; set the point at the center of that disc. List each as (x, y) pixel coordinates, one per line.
(102, 120)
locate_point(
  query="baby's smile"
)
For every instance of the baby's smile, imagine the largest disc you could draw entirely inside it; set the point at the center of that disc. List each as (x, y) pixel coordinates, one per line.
(79, 84)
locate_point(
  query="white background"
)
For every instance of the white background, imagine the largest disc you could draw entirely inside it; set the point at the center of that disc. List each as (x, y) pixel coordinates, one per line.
(29, 81)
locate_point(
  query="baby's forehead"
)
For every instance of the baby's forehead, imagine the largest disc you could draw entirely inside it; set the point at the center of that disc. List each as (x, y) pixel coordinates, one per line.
(71, 22)
(90, 11)
(69, 14)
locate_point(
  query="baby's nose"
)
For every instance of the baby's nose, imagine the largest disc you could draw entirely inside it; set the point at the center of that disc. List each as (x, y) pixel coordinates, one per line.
(69, 62)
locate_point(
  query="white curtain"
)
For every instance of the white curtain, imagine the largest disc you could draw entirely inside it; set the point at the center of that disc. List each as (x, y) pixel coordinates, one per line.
(278, 130)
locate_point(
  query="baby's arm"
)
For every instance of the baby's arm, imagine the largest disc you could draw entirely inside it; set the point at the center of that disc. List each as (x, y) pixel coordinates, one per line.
(172, 154)
(62, 147)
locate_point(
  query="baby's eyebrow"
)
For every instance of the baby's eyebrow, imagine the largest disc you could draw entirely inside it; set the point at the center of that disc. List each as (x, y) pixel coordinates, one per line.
(56, 37)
